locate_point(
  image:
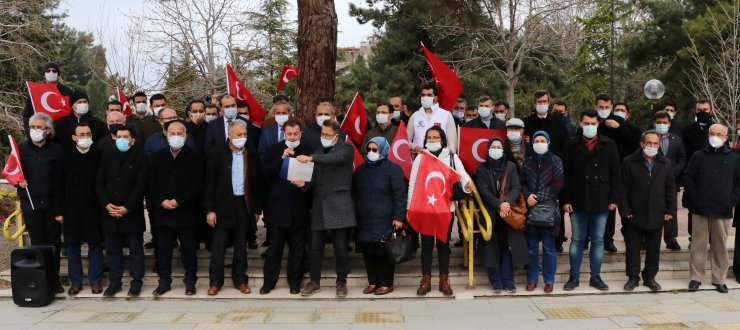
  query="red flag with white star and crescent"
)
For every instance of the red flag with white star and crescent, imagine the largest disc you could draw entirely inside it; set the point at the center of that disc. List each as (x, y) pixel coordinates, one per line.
(46, 98)
(429, 210)
(13, 172)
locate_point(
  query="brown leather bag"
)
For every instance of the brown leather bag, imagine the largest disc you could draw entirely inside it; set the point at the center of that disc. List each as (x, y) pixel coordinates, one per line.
(517, 217)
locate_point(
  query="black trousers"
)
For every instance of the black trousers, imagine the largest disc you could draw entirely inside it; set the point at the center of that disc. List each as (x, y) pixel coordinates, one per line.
(296, 239)
(339, 241)
(443, 253)
(633, 238)
(736, 260)
(163, 254)
(611, 225)
(114, 257)
(238, 237)
(44, 230)
(380, 272)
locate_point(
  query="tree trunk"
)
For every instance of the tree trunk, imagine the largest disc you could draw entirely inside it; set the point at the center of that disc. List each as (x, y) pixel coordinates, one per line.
(317, 55)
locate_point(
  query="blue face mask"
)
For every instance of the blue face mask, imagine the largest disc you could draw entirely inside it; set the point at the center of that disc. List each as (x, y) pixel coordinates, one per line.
(326, 143)
(122, 144)
(589, 131)
(661, 128)
(230, 113)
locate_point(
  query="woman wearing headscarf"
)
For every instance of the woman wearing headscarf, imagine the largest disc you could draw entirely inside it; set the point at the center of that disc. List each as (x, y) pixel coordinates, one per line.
(543, 177)
(379, 190)
(507, 248)
(435, 143)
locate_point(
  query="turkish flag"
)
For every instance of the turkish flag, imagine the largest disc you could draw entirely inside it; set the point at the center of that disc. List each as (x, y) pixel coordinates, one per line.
(474, 146)
(429, 211)
(358, 160)
(447, 82)
(401, 150)
(288, 73)
(47, 99)
(241, 93)
(13, 171)
(122, 98)
(355, 120)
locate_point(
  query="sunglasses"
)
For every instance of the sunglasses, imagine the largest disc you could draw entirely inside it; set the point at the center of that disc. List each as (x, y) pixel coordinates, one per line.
(372, 149)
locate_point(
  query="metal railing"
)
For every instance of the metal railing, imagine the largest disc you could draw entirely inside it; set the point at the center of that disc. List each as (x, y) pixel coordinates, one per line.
(473, 218)
(15, 219)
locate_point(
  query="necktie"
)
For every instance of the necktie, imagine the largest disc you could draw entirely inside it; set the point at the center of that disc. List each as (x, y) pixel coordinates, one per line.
(280, 134)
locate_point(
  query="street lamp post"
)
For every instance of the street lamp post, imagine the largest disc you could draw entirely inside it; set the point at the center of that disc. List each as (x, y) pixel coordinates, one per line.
(654, 90)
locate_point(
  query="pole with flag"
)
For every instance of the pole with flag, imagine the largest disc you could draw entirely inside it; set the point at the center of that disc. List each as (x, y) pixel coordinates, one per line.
(125, 106)
(429, 208)
(236, 88)
(447, 82)
(401, 150)
(289, 72)
(355, 121)
(13, 172)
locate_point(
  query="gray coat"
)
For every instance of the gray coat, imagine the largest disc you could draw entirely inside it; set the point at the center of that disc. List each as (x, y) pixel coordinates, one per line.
(332, 188)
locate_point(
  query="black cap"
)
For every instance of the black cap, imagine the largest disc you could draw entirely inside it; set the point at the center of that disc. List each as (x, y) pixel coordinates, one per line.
(78, 95)
(49, 65)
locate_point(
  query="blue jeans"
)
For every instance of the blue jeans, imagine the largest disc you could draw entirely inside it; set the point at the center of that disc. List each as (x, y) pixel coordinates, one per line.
(503, 277)
(549, 259)
(94, 259)
(591, 224)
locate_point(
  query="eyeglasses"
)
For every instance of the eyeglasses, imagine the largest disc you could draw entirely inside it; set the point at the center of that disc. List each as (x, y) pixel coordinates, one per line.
(372, 149)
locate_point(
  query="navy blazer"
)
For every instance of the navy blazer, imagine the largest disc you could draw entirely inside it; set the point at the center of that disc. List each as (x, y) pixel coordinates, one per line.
(268, 137)
(216, 134)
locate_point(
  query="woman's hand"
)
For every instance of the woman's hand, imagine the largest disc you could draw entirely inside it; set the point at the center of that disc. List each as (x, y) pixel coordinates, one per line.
(505, 207)
(532, 200)
(469, 186)
(398, 224)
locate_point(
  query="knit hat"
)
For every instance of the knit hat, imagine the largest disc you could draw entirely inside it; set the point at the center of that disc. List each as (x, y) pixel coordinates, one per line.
(541, 133)
(53, 65)
(78, 95)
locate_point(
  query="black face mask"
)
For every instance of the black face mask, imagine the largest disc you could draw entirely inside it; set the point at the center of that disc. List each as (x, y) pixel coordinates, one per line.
(703, 117)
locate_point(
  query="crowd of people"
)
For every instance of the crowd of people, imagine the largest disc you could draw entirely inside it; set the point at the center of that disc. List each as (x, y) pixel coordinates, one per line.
(210, 177)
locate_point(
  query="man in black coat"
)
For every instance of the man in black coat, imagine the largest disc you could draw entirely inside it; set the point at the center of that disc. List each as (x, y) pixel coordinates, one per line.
(108, 143)
(121, 183)
(695, 138)
(175, 187)
(287, 224)
(233, 201)
(76, 207)
(672, 147)
(51, 73)
(197, 126)
(65, 127)
(649, 202)
(39, 156)
(592, 189)
(712, 181)
(216, 133)
(485, 118)
(312, 134)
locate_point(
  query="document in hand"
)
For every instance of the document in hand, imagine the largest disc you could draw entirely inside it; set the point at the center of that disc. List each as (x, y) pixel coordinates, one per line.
(294, 170)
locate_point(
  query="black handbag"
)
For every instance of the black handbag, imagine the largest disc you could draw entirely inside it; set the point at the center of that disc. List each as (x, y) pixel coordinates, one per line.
(399, 246)
(543, 214)
(457, 189)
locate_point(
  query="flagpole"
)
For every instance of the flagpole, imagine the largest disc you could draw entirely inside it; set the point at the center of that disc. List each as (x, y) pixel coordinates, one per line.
(29, 199)
(350, 108)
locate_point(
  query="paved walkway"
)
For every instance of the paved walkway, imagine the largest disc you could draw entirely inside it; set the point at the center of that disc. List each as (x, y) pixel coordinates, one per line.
(701, 310)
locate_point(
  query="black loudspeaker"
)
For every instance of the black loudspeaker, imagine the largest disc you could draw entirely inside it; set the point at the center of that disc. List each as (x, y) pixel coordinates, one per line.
(31, 276)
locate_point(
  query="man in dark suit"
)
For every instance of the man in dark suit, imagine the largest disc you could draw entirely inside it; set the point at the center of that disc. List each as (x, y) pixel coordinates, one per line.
(671, 146)
(217, 131)
(233, 201)
(174, 201)
(312, 133)
(332, 208)
(287, 224)
(671, 108)
(281, 111)
(486, 119)
(197, 126)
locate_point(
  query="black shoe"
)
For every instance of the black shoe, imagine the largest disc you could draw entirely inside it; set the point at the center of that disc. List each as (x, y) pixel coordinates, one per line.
(265, 290)
(59, 288)
(673, 246)
(295, 290)
(160, 290)
(694, 285)
(149, 245)
(112, 290)
(459, 243)
(189, 290)
(585, 246)
(253, 245)
(571, 284)
(559, 248)
(134, 291)
(632, 283)
(596, 282)
(610, 247)
(721, 288)
(264, 254)
(650, 283)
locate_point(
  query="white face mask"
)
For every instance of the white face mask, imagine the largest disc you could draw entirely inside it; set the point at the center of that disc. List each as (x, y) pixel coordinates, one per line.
(176, 142)
(141, 108)
(434, 146)
(281, 119)
(373, 156)
(589, 131)
(427, 101)
(195, 116)
(621, 114)
(496, 153)
(239, 142)
(458, 114)
(501, 116)
(514, 136)
(650, 151)
(51, 77)
(82, 109)
(671, 114)
(321, 119)
(84, 143)
(210, 117)
(603, 114)
(541, 109)
(326, 143)
(540, 148)
(396, 114)
(156, 111)
(714, 141)
(381, 118)
(292, 144)
(484, 112)
(37, 135)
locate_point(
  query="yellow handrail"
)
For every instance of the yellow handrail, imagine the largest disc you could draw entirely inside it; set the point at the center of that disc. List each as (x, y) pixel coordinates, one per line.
(468, 212)
(17, 215)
